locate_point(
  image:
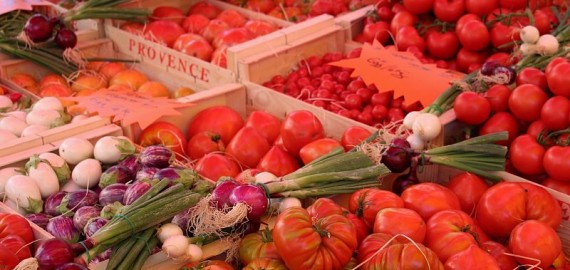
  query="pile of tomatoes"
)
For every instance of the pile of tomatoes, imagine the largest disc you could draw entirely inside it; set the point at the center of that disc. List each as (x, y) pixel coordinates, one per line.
(457, 34)
(16, 237)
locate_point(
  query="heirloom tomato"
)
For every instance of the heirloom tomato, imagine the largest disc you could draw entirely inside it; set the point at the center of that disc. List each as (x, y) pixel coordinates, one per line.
(429, 198)
(409, 223)
(537, 242)
(324, 207)
(221, 120)
(257, 245)
(12, 224)
(17, 245)
(300, 128)
(366, 203)
(265, 264)
(500, 253)
(473, 257)
(209, 265)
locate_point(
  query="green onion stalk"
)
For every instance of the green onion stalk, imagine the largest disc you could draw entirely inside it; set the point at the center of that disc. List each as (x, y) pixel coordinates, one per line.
(105, 9)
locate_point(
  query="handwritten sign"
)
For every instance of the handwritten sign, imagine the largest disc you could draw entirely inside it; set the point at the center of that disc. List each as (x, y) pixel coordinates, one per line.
(399, 71)
(11, 5)
(129, 107)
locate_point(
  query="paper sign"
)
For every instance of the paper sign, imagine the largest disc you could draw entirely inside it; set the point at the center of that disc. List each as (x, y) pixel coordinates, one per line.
(401, 72)
(129, 107)
(10, 5)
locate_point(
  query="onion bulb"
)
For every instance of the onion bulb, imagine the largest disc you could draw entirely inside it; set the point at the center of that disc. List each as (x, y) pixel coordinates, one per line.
(287, 203)
(410, 119)
(528, 49)
(175, 246)
(547, 44)
(264, 177)
(167, 230)
(416, 142)
(194, 253)
(427, 126)
(529, 34)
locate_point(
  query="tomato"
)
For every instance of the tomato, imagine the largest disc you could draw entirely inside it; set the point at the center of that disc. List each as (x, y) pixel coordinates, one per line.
(513, 4)
(382, 98)
(442, 45)
(448, 10)
(267, 125)
(278, 162)
(526, 102)
(304, 242)
(247, 147)
(507, 204)
(8, 260)
(463, 20)
(469, 188)
(361, 228)
(502, 58)
(257, 245)
(300, 128)
(498, 96)
(471, 108)
(557, 163)
(195, 23)
(555, 112)
(429, 198)
(265, 264)
(263, 6)
(401, 19)
(526, 155)
(535, 240)
(472, 257)
(379, 31)
(560, 186)
(204, 143)
(554, 62)
(205, 8)
(480, 7)
(318, 148)
(13, 224)
(502, 36)
(536, 128)
(501, 121)
(418, 7)
(324, 207)
(500, 253)
(542, 22)
(232, 17)
(410, 223)
(532, 75)
(163, 32)
(558, 79)
(17, 245)
(215, 165)
(408, 37)
(391, 252)
(474, 35)
(366, 203)
(221, 120)
(214, 28)
(167, 13)
(209, 265)
(466, 58)
(259, 27)
(353, 136)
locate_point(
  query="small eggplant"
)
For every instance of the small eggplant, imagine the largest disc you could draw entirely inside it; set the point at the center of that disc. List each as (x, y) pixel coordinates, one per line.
(77, 199)
(40, 219)
(83, 215)
(52, 202)
(146, 173)
(131, 163)
(115, 174)
(156, 156)
(135, 190)
(93, 225)
(62, 227)
(183, 176)
(112, 193)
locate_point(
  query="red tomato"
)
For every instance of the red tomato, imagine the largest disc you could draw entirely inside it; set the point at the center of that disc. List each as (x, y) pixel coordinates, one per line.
(474, 35)
(209, 265)
(17, 245)
(353, 136)
(535, 128)
(214, 28)
(267, 124)
(167, 13)
(542, 22)
(554, 62)
(263, 6)
(507, 204)
(183, 40)
(449, 10)
(536, 240)
(324, 207)
(278, 162)
(557, 163)
(501, 121)
(8, 259)
(247, 147)
(214, 165)
(410, 223)
(471, 108)
(300, 128)
(318, 148)
(379, 30)
(13, 224)
(498, 96)
(450, 232)
(164, 133)
(200, 49)
(366, 203)
(418, 7)
(204, 143)
(408, 37)
(532, 75)
(221, 120)
(163, 32)
(502, 36)
(480, 7)
(232, 17)
(195, 23)
(463, 20)
(401, 19)
(257, 245)
(442, 45)
(561, 186)
(526, 102)
(555, 112)
(205, 8)
(259, 27)
(472, 257)
(526, 155)
(361, 228)
(513, 4)
(499, 252)
(429, 198)
(466, 58)
(558, 79)
(502, 58)
(265, 263)
(384, 251)
(469, 188)
(305, 242)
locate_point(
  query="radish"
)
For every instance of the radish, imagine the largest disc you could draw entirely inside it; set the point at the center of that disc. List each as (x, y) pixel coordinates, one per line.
(547, 44)
(58, 165)
(25, 192)
(427, 126)
(5, 103)
(5, 174)
(13, 124)
(18, 114)
(111, 149)
(45, 177)
(74, 150)
(86, 173)
(48, 103)
(48, 118)
(6, 136)
(529, 34)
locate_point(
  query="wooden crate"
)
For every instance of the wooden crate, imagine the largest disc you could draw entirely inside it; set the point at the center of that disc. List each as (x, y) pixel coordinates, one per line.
(353, 22)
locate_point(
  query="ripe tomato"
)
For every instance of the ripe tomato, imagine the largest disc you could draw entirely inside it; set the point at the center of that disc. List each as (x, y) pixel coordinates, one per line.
(379, 30)
(13, 224)
(278, 162)
(442, 45)
(532, 75)
(163, 32)
(429, 198)
(367, 202)
(257, 245)
(408, 37)
(8, 259)
(498, 96)
(463, 20)
(205, 8)
(183, 40)
(17, 245)
(353, 136)
(501, 121)
(466, 58)
(304, 242)
(266, 124)
(209, 264)
(555, 112)
(263, 6)
(410, 223)
(558, 79)
(474, 35)
(469, 188)
(167, 13)
(221, 120)
(199, 48)
(507, 204)
(526, 102)
(418, 7)
(300, 128)
(214, 165)
(392, 252)
(247, 147)
(513, 4)
(265, 263)
(448, 10)
(557, 163)
(324, 207)
(536, 240)
(502, 35)
(554, 62)
(480, 7)
(204, 143)
(259, 27)
(195, 23)
(471, 108)
(526, 155)
(561, 186)
(318, 148)
(213, 29)
(471, 258)
(361, 228)
(401, 19)
(232, 17)
(499, 252)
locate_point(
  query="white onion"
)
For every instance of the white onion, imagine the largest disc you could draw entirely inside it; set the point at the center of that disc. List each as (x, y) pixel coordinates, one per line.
(264, 177)
(427, 126)
(194, 253)
(529, 34)
(32, 130)
(528, 49)
(547, 44)
(5, 102)
(175, 246)
(13, 124)
(287, 203)
(416, 143)
(410, 119)
(48, 103)
(167, 230)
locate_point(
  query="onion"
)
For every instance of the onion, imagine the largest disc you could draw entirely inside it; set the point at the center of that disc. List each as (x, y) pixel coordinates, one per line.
(175, 246)
(40, 219)
(427, 126)
(287, 203)
(83, 215)
(264, 177)
(193, 253)
(62, 227)
(87, 173)
(65, 38)
(74, 150)
(112, 193)
(416, 142)
(134, 191)
(13, 124)
(397, 159)
(38, 28)
(547, 44)
(53, 253)
(53, 202)
(48, 103)
(115, 174)
(410, 118)
(72, 266)
(528, 49)
(403, 182)
(94, 225)
(254, 197)
(507, 72)
(489, 67)
(220, 197)
(167, 230)
(247, 176)
(529, 34)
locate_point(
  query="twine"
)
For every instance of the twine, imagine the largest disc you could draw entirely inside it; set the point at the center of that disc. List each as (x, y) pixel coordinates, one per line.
(86, 251)
(129, 221)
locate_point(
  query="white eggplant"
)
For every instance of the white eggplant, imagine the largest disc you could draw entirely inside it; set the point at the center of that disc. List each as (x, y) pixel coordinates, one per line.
(16, 207)
(74, 150)
(18, 114)
(58, 164)
(5, 103)
(6, 136)
(48, 118)
(87, 173)
(13, 124)
(5, 174)
(111, 149)
(48, 103)
(33, 130)
(44, 175)
(25, 192)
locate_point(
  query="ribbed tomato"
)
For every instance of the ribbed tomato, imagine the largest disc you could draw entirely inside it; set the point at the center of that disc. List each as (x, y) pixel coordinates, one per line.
(257, 245)
(265, 264)
(366, 203)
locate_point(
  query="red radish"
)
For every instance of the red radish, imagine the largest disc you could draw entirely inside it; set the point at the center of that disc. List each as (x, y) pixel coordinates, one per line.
(195, 23)
(164, 32)
(214, 28)
(167, 13)
(205, 8)
(232, 17)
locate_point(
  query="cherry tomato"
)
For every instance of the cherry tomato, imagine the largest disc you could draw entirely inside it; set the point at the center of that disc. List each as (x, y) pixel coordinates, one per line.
(557, 162)
(471, 108)
(536, 240)
(449, 10)
(555, 112)
(535, 128)
(498, 97)
(513, 4)
(480, 7)
(379, 112)
(501, 121)
(466, 58)
(526, 155)
(379, 31)
(442, 45)
(526, 102)
(558, 79)
(382, 98)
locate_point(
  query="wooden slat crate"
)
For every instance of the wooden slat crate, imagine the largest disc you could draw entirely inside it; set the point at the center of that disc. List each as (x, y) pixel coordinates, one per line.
(353, 22)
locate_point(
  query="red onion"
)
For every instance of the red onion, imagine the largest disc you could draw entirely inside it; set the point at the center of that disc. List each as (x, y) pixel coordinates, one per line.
(65, 38)
(489, 67)
(62, 227)
(156, 156)
(40, 219)
(403, 182)
(93, 225)
(72, 266)
(52, 202)
(252, 195)
(83, 215)
(510, 73)
(134, 191)
(398, 157)
(115, 174)
(38, 28)
(146, 173)
(112, 193)
(221, 194)
(53, 253)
